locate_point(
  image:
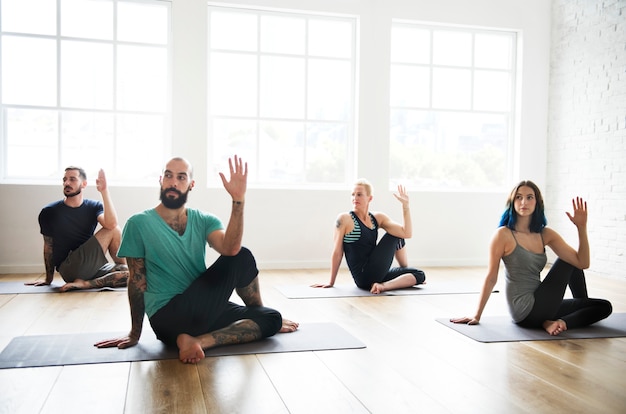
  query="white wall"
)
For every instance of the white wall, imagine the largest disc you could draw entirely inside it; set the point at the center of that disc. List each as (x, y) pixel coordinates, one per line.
(587, 135)
(287, 229)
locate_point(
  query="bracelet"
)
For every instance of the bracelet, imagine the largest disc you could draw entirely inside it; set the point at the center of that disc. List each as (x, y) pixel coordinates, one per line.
(237, 202)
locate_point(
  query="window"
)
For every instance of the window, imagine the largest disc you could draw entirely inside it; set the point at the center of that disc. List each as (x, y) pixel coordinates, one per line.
(84, 82)
(451, 107)
(281, 94)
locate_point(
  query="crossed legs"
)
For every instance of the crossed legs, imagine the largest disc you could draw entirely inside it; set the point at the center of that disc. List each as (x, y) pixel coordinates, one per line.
(191, 348)
(378, 277)
(93, 277)
(203, 317)
(555, 314)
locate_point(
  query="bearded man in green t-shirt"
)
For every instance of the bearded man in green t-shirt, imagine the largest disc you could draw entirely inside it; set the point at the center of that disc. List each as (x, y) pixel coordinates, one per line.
(188, 305)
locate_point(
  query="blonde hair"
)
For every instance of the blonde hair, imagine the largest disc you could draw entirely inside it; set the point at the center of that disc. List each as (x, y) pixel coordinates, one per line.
(368, 186)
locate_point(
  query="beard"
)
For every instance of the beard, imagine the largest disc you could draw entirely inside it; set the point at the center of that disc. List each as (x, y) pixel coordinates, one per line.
(173, 203)
(74, 194)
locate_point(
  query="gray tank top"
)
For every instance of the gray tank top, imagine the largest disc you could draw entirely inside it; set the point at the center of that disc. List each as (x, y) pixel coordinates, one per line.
(522, 270)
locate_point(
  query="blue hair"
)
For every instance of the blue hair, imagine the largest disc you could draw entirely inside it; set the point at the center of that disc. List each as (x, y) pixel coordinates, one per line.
(538, 220)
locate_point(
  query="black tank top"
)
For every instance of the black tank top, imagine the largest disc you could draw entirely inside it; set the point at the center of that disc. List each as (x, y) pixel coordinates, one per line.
(359, 243)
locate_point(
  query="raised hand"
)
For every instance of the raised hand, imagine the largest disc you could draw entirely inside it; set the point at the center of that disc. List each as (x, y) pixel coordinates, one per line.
(579, 217)
(402, 195)
(237, 184)
(101, 181)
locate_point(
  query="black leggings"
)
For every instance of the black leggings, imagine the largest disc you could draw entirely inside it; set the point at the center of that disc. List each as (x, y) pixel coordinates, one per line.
(550, 305)
(377, 269)
(205, 307)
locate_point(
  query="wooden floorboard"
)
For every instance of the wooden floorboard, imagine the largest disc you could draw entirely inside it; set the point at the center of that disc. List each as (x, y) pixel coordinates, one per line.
(411, 363)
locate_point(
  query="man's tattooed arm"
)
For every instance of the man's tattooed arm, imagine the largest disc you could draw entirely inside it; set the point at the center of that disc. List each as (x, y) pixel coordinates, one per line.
(137, 285)
(48, 258)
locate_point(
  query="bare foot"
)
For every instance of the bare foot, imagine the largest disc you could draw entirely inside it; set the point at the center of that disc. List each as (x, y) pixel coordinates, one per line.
(75, 285)
(119, 268)
(289, 326)
(189, 349)
(555, 327)
(377, 288)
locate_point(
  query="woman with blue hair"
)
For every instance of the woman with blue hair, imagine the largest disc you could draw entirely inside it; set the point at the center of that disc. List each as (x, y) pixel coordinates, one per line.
(520, 243)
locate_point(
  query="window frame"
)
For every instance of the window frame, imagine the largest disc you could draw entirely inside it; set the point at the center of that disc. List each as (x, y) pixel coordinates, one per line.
(351, 123)
(117, 114)
(512, 113)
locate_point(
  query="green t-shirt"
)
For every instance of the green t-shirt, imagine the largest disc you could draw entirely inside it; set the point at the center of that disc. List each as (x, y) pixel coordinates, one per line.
(172, 261)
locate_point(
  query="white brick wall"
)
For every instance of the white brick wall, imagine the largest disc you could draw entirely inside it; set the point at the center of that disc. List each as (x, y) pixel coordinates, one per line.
(586, 151)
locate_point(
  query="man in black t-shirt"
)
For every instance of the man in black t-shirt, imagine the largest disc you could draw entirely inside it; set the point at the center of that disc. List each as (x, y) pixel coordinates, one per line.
(70, 245)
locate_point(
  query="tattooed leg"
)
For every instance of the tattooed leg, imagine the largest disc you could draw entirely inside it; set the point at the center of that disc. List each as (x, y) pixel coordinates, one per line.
(191, 349)
(251, 294)
(113, 279)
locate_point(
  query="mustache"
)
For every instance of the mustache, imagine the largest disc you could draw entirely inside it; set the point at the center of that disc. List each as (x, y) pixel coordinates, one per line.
(174, 190)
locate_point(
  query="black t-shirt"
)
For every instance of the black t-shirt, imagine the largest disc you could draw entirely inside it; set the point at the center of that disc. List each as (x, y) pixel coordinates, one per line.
(69, 227)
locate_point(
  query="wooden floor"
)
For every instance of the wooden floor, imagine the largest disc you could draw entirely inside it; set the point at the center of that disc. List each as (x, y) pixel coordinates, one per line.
(412, 364)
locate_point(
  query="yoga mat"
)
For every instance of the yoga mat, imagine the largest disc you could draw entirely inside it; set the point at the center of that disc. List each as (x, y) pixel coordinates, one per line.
(502, 329)
(75, 349)
(11, 288)
(343, 291)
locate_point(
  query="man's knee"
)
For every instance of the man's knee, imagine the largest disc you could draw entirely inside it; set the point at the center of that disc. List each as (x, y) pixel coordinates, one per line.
(270, 321)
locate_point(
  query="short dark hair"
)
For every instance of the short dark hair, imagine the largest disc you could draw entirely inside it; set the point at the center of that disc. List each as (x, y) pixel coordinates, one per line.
(537, 221)
(81, 173)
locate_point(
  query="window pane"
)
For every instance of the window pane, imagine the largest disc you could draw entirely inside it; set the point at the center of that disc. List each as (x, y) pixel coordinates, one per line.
(233, 31)
(281, 152)
(460, 138)
(271, 85)
(32, 142)
(86, 75)
(139, 70)
(154, 26)
(88, 140)
(140, 134)
(87, 19)
(452, 88)
(232, 136)
(410, 45)
(233, 84)
(492, 91)
(28, 71)
(493, 51)
(283, 35)
(438, 149)
(19, 16)
(329, 78)
(452, 48)
(282, 87)
(330, 38)
(410, 86)
(326, 153)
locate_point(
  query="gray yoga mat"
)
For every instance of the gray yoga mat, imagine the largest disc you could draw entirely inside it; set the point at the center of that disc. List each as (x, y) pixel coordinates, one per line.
(343, 291)
(12, 288)
(502, 329)
(75, 349)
